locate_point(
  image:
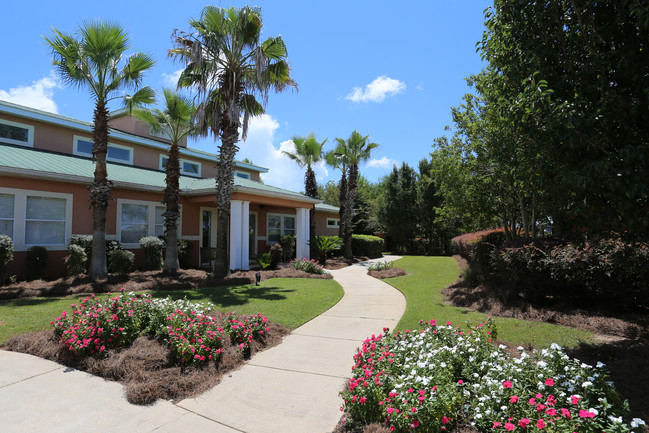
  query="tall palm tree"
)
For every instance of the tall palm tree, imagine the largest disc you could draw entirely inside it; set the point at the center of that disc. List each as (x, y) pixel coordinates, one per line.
(176, 121)
(355, 149)
(92, 60)
(307, 152)
(228, 66)
(338, 160)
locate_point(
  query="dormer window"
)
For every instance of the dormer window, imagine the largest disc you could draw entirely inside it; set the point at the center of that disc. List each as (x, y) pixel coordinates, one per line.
(189, 168)
(16, 133)
(242, 174)
(116, 152)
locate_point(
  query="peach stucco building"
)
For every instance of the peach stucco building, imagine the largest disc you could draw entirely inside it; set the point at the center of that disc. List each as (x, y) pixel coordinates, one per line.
(45, 167)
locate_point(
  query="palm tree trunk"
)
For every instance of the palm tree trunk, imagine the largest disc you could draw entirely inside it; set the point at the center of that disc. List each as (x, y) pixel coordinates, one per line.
(100, 193)
(349, 213)
(224, 185)
(311, 190)
(172, 211)
(342, 210)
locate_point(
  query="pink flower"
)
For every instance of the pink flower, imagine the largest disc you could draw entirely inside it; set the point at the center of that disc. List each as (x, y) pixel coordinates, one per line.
(413, 410)
(540, 424)
(507, 384)
(509, 426)
(496, 425)
(363, 400)
(445, 420)
(565, 412)
(586, 414)
(574, 399)
(460, 381)
(523, 422)
(513, 399)
(549, 382)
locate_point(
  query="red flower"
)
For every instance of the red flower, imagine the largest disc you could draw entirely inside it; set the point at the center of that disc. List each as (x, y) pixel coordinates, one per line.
(513, 399)
(523, 422)
(509, 426)
(507, 384)
(540, 424)
(549, 382)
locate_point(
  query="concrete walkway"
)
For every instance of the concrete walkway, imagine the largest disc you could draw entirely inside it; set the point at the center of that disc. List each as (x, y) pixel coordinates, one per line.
(292, 387)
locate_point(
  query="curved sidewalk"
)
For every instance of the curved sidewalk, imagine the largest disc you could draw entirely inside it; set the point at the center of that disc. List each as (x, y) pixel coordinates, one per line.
(292, 387)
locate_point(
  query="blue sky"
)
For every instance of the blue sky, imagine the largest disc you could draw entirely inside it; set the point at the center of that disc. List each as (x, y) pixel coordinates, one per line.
(391, 70)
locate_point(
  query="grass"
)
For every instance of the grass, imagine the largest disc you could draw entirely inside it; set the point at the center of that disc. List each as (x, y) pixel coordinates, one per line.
(287, 301)
(422, 287)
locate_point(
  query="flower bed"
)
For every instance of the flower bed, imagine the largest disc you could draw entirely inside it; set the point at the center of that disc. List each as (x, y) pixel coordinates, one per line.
(309, 266)
(443, 376)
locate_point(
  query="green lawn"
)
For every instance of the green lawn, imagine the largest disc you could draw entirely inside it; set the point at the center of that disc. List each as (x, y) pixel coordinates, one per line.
(288, 301)
(422, 287)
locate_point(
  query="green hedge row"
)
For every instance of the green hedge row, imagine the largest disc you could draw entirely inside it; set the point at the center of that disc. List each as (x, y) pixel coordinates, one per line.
(366, 245)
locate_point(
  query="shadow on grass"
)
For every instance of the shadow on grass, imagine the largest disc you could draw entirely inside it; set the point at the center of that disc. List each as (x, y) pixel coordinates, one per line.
(626, 360)
(21, 302)
(229, 296)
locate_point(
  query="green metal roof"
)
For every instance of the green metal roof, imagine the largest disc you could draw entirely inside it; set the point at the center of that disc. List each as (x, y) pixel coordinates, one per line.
(323, 207)
(42, 164)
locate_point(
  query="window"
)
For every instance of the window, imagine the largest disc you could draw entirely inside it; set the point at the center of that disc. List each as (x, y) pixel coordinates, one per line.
(45, 221)
(116, 152)
(7, 215)
(242, 174)
(333, 223)
(278, 226)
(139, 219)
(16, 133)
(190, 168)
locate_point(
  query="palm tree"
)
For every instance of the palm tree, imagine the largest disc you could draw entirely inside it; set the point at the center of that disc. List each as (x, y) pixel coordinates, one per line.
(228, 66)
(176, 121)
(308, 151)
(92, 60)
(338, 160)
(355, 149)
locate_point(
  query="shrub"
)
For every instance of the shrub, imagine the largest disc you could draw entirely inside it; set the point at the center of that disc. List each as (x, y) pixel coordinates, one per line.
(288, 247)
(6, 256)
(121, 261)
(264, 261)
(275, 255)
(310, 266)
(36, 262)
(152, 247)
(85, 242)
(366, 245)
(325, 245)
(76, 260)
(242, 331)
(194, 338)
(380, 266)
(185, 248)
(444, 377)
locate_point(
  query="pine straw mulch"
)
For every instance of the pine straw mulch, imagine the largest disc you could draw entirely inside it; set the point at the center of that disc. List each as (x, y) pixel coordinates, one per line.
(185, 279)
(621, 337)
(339, 262)
(387, 273)
(145, 368)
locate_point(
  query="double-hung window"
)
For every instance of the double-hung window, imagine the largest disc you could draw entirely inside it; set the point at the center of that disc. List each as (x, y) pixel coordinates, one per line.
(7, 214)
(16, 133)
(45, 219)
(140, 219)
(116, 152)
(278, 226)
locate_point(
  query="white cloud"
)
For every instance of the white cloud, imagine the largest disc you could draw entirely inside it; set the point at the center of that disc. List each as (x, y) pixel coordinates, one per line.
(259, 148)
(381, 163)
(377, 90)
(37, 95)
(171, 80)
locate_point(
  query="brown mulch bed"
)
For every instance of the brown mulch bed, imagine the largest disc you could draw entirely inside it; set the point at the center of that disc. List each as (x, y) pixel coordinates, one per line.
(339, 262)
(387, 273)
(145, 368)
(142, 280)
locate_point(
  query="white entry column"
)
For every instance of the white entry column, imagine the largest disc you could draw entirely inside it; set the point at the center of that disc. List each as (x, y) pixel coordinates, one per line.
(239, 234)
(302, 233)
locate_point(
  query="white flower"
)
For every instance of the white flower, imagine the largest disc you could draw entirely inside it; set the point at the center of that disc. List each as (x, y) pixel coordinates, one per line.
(542, 364)
(616, 420)
(637, 422)
(520, 348)
(600, 364)
(595, 411)
(587, 384)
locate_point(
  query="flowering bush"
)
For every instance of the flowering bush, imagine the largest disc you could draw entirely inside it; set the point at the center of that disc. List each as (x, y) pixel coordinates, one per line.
(243, 331)
(194, 337)
(310, 266)
(443, 376)
(380, 266)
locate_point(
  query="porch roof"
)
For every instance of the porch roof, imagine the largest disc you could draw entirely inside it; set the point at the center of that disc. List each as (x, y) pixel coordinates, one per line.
(36, 163)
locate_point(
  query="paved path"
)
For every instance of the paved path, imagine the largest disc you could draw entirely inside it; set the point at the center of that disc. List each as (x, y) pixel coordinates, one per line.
(292, 387)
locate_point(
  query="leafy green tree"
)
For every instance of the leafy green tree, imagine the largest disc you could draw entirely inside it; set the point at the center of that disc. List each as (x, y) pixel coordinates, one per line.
(366, 207)
(307, 151)
(176, 121)
(574, 77)
(399, 211)
(329, 193)
(229, 67)
(355, 150)
(92, 59)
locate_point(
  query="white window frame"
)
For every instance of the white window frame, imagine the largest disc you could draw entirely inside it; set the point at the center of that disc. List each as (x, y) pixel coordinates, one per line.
(160, 134)
(30, 133)
(236, 173)
(281, 226)
(182, 170)
(336, 223)
(152, 205)
(13, 217)
(20, 213)
(75, 150)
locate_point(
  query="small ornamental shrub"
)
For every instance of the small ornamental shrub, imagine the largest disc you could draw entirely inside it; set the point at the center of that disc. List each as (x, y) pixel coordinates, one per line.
(36, 262)
(121, 262)
(326, 245)
(76, 260)
(380, 266)
(288, 247)
(242, 331)
(185, 248)
(85, 242)
(6, 256)
(366, 245)
(310, 266)
(194, 338)
(442, 377)
(152, 247)
(264, 261)
(275, 255)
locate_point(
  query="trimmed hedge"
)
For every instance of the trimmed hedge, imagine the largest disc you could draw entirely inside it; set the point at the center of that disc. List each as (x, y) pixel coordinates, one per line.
(366, 245)
(6, 256)
(152, 247)
(121, 261)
